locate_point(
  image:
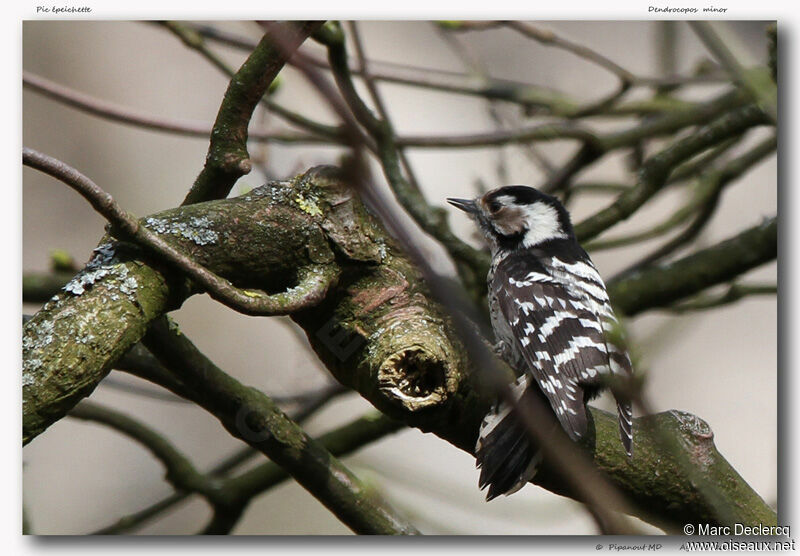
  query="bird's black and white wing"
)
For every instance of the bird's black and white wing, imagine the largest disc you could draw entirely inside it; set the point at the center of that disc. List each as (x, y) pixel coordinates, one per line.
(559, 317)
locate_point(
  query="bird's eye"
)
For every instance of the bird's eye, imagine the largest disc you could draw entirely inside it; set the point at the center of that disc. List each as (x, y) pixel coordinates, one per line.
(495, 206)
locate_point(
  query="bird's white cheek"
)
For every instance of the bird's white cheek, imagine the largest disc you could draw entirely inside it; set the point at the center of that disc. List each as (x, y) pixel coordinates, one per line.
(543, 225)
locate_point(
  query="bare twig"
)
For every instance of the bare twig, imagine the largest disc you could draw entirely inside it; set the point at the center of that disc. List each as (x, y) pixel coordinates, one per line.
(656, 170)
(339, 442)
(471, 262)
(227, 158)
(137, 519)
(707, 192)
(723, 262)
(599, 187)
(710, 189)
(508, 90)
(180, 471)
(372, 87)
(529, 134)
(734, 293)
(125, 115)
(763, 90)
(548, 37)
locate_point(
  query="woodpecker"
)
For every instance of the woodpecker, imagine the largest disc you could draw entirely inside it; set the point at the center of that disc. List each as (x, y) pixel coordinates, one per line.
(551, 318)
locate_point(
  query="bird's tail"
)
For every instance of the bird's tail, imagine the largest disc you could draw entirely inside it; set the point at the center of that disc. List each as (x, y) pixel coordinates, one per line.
(504, 452)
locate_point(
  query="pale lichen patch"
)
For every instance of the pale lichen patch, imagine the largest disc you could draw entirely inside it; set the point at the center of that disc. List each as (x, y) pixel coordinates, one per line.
(116, 275)
(85, 280)
(128, 285)
(198, 229)
(99, 266)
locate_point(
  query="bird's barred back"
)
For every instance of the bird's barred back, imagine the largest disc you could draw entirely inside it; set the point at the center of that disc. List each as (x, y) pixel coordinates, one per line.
(559, 318)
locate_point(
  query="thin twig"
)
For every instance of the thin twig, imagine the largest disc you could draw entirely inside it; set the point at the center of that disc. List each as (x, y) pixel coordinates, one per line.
(137, 519)
(529, 134)
(341, 441)
(661, 286)
(550, 38)
(180, 471)
(380, 105)
(734, 293)
(593, 150)
(656, 170)
(471, 262)
(708, 189)
(599, 187)
(116, 382)
(227, 158)
(525, 135)
(515, 91)
(763, 90)
(122, 114)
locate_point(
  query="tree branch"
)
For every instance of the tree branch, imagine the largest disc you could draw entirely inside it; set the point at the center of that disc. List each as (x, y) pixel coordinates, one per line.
(313, 281)
(377, 331)
(527, 95)
(663, 285)
(734, 293)
(432, 220)
(656, 170)
(339, 442)
(548, 37)
(195, 41)
(589, 486)
(707, 192)
(253, 417)
(217, 473)
(129, 116)
(180, 471)
(227, 158)
(762, 89)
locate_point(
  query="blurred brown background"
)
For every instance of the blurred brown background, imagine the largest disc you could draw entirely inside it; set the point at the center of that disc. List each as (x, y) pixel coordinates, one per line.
(721, 364)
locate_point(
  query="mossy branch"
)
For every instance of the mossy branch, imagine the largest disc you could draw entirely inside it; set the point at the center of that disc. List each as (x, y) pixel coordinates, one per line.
(663, 285)
(230, 499)
(312, 281)
(377, 330)
(227, 158)
(253, 417)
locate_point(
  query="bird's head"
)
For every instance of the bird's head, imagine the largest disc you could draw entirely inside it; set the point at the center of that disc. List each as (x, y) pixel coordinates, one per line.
(518, 217)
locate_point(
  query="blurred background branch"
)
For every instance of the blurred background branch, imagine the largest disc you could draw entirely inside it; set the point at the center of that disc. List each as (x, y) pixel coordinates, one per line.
(674, 144)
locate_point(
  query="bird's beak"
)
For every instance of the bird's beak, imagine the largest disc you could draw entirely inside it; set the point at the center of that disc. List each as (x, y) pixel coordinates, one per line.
(467, 205)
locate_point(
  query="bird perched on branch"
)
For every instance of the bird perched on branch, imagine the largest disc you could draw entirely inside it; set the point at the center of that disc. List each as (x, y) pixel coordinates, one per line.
(552, 319)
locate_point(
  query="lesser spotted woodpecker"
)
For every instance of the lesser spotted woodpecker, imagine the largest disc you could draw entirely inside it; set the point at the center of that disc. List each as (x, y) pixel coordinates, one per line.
(551, 317)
